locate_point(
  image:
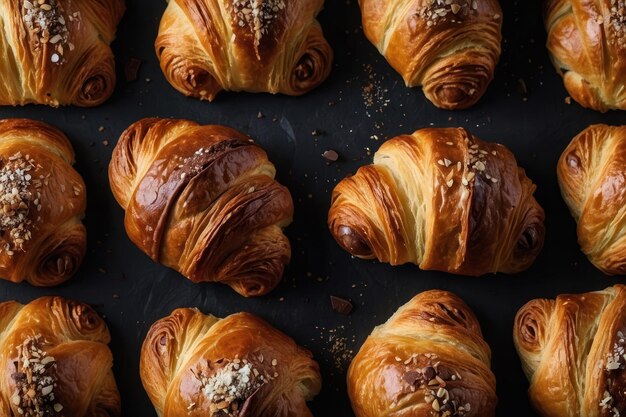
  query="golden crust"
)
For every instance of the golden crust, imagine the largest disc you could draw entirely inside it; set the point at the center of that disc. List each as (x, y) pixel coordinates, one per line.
(76, 337)
(184, 350)
(444, 200)
(430, 350)
(203, 200)
(450, 52)
(592, 177)
(206, 46)
(572, 351)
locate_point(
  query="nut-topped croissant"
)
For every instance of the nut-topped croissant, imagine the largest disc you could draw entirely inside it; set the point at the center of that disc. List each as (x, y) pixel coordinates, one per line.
(572, 351)
(57, 52)
(197, 365)
(274, 46)
(203, 200)
(592, 174)
(54, 361)
(42, 203)
(448, 47)
(444, 200)
(428, 359)
(587, 44)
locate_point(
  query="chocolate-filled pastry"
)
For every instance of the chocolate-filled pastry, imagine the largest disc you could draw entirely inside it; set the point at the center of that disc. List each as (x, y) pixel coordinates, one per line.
(429, 359)
(42, 203)
(587, 44)
(198, 365)
(274, 46)
(572, 351)
(203, 200)
(56, 52)
(592, 176)
(444, 200)
(448, 47)
(55, 361)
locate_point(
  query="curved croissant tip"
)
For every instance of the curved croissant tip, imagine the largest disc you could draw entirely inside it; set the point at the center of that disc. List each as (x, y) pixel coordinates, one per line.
(312, 68)
(95, 90)
(352, 241)
(57, 269)
(455, 96)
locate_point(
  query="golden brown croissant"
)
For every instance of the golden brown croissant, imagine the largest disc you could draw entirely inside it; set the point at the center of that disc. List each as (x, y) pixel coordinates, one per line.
(42, 202)
(57, 52)
(587, 44)
(274, 46)
(428, 359)
(572, 351)
(449, 47)
(55, 361)
(203, 200)
(591, 174)
(196, 365)
(444, 200)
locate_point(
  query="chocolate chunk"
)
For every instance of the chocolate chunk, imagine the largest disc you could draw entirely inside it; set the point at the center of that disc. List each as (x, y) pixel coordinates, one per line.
(412, 377)
(341, 305)
(429, 373)
(330, 155)
(131, 69)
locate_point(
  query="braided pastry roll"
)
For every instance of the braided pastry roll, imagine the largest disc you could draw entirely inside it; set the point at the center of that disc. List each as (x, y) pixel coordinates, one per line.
(57, 52)
(428, 359)
(274, 46)
(591, 173)
(444, 200)
(55, 361)
(572, 351)
(448, 47)
(587, 44)
(42, 203)
(203, 200)
(198, 365)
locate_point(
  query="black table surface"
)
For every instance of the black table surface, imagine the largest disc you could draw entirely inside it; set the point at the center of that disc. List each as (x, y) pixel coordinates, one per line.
(132, 292)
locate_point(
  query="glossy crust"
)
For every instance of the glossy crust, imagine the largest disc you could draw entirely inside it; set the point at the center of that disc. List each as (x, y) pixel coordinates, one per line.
(429, 359)
(587, 44)
(206, 46)
(449, 48)
(572, 351)
(182, 351)
(203, 200)
(76, 338)
(592, 176)
(444, 200)
(54, 204)
(84, 74)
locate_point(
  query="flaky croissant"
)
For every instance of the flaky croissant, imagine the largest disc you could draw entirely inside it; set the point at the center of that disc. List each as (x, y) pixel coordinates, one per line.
(203, 200)
(449, 47)
(42, 202)
(55, 361)
(444, 200)
(57, 52)
(274, 46)
(592, 176)
(428, 359)
(587, 44)
(572, 351)
(197, 365)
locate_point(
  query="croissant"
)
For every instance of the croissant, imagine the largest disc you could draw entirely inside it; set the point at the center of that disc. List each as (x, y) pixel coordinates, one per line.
(56, 52)
(428, 359)
(572, 351)
(587, 44)
(591, 172)
(198, 365)
(274, 46)
(42, 202)
(448, 47)
(444, 200)
(55, 361)
(203, 200)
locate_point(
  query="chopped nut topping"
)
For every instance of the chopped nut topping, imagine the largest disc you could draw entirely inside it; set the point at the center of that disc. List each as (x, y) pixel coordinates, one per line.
(436, 10)
(35, 379)
(46, 20)
(257, 15)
